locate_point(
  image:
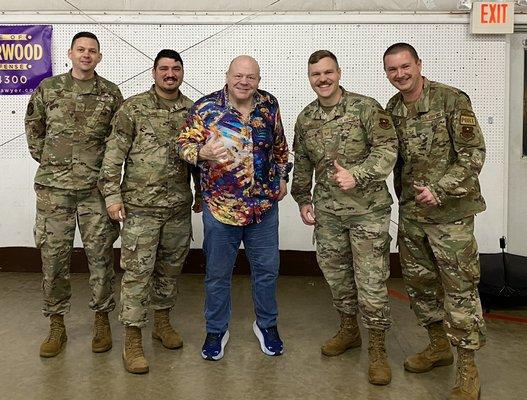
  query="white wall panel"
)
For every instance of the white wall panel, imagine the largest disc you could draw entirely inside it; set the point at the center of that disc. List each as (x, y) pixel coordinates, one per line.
(450, 55)
(230, 5)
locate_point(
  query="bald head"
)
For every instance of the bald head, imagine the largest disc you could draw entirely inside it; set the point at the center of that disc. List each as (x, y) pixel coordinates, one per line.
(244, 61)
(243, 77)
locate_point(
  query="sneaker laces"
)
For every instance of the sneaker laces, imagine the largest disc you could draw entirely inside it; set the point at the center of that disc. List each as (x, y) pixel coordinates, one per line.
(212, 339)
(272, 334)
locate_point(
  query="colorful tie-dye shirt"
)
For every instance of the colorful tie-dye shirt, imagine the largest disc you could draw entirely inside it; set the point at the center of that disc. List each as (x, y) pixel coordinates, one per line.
(239, 191)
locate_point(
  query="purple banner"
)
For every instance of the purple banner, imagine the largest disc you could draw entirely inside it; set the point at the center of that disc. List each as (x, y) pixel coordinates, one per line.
(25, 57)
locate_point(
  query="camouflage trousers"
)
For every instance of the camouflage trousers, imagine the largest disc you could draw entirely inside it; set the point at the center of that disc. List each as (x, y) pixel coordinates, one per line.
(440, 264)
(155, 243)
(353, 254)
(58, 212)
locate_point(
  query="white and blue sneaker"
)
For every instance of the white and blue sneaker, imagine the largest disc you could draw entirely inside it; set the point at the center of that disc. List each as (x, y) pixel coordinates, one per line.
(214, 345)
(270, 341)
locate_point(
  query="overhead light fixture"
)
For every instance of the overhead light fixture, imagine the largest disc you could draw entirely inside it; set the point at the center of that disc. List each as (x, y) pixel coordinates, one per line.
(465, 5)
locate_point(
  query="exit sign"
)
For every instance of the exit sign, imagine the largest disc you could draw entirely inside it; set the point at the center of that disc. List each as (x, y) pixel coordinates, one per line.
(492, 17)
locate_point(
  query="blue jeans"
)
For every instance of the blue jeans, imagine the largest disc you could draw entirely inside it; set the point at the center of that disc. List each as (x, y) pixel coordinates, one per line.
(220, 245)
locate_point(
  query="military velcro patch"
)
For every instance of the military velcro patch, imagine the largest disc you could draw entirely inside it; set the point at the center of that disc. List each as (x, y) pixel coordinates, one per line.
(467, 132)
(30, 109)
(384, 123)
(467, 120)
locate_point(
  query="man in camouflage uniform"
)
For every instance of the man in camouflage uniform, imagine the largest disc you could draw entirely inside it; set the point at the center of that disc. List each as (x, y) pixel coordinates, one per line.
(350, 143)
(154, 201)
(436, 179)
(67, 121)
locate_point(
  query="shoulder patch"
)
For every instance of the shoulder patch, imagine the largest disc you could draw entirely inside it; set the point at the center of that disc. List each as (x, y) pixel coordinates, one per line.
(467, 133)
(467, 120)
(384, 123)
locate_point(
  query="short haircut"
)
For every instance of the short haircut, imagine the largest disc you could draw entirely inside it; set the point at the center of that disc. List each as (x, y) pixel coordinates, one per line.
(86, 35)
(400, 47)
(167, 53)
(320, 54)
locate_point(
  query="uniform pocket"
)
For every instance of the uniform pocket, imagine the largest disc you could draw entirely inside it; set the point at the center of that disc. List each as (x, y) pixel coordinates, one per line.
(430, 129)
(352, 143)
(39, 231)
(129, 241)
(468, 261)
(314, 145)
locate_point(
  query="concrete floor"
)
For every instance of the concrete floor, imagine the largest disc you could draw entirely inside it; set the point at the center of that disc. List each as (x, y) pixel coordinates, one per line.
(306, 320)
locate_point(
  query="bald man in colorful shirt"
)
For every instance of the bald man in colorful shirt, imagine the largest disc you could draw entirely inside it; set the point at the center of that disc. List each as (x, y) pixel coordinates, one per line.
(236, 137)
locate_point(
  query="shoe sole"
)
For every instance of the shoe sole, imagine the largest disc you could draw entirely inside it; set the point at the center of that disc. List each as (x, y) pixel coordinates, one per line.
(352, 346)
(136, 371)
(260, 337)
(50, 355)
(157, 337)
(380, 383)
(224, 341)
(439, 363)
(101, 349)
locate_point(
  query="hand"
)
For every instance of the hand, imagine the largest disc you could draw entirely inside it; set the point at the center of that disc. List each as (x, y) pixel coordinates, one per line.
(214, 150)
(198, 206)
(425, 196)
(307, 214)
(116, 211)
(343, 177)
(283, 189)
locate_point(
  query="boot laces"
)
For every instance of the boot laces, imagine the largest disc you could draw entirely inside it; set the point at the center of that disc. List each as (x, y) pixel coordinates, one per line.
(345, 326)
(163, 324)
(462, 370)
(100, 324)
(377, 349)
(55, 331)
(134, 346)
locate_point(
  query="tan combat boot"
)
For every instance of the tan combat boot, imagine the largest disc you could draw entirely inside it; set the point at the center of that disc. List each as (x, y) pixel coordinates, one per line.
(102, 334)
(163, 330)
(467, 386)
(346, 338)
(57, 337)
(133, 357)
(436, 354)
(379, 371)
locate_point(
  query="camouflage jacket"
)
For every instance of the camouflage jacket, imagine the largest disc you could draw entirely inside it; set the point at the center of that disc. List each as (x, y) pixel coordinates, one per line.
(442, 148)
(357, 133)
(66, 130)
(144, 137)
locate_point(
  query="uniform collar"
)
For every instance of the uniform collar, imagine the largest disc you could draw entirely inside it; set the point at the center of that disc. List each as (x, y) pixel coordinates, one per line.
(178, 105)
(422, 104)
(69, 83)
(338, 111)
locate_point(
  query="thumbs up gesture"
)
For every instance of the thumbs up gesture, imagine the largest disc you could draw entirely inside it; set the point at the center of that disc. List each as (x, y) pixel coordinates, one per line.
(343, 177)
(214, 150)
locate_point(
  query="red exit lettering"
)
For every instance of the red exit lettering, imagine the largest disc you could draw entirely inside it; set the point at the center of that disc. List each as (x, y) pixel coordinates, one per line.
(494, 13)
